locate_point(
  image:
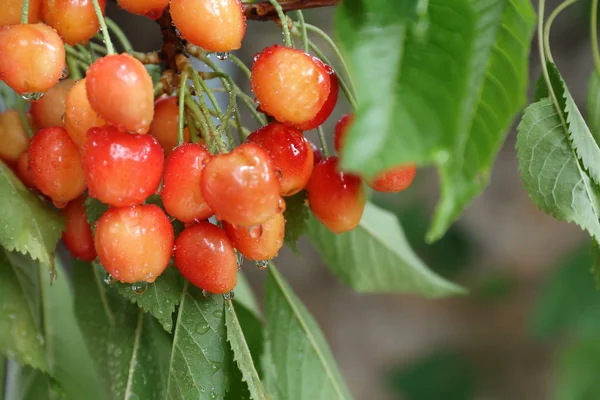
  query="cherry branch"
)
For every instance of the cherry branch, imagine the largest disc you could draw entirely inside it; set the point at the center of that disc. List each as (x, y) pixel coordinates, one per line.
(265, 11)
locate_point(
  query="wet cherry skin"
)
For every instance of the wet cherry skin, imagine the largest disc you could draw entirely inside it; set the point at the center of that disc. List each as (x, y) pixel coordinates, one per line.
(327, 108)
(74, 20)
(165, 125)
(152, 9)
(79, 114)
(10, 12)
(260, 242)
(50, 109)
(13, 136)
(78, 233)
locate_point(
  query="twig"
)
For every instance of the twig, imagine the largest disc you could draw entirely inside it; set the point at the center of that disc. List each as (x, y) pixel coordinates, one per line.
(266, 11)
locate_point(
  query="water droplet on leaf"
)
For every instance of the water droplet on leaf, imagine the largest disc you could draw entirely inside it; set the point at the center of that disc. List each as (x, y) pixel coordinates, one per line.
(139, 287)
(262, 264)
(32, 96)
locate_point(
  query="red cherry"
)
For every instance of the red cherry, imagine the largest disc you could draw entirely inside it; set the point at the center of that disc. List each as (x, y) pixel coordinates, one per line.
(74, 20)
(55, 165)
(317, 155)
(121, 169)
(242, 187)
(79, 114)
(13, 136)
(134, 244)
(50, 109)
(395, 179)
(10, 12)
(165, 125)
(78, 234)
(120, 90)
(291, 154)
(181, 192)
(204, 256)
(341, 129)
(152, 9)
(24, 171)
(327, 108)
(32, 58)
(214, 25)
(290, 85)
(260, 242)
(337, 199)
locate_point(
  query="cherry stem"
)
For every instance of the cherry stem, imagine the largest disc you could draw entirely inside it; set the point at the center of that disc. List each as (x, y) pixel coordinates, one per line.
(323, 141)
(241, 65)
(221, 146)
(194, 136)
(73, 66)
(121, 36)
(182, 90)
(25, 12)
(21, 110)
(283, 18)
(109, 46)
(303, 33)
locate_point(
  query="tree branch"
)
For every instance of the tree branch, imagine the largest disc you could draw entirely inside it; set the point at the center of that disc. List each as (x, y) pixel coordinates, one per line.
(171, 43)
(265, 11)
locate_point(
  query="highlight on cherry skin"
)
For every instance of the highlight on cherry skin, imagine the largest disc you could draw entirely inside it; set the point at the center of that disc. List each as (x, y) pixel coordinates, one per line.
(75, 21)
(259, 242)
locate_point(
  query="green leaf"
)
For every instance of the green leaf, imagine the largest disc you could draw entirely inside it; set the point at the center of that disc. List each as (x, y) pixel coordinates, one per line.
(26, 383)
(593, 105)
(244, 294)
(27, 224)
(302, 366)
(199, 360)
(160, 298)
(296, 215)
(94, 209)
(551, 172)
(375, 257)
(21, 337)
(497, 85)
(128, 346)
(576, 371)
(242, 355)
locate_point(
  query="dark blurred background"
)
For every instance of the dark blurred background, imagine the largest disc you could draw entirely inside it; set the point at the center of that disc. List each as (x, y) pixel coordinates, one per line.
(530, 328)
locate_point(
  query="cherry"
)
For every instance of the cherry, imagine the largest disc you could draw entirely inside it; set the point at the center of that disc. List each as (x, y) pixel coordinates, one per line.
(327, 108)
(337, 199)
(134, 244)
(341, 128)
(24, 172)
(291, 154)
(49, 110)
(32, 58)
(214, 25)
(74, 20)
(165, 125)
(150, 8)
(55, 165)
(10, 12)
(78, 234)
(120, 90)
(13, 136)
(242, 187)
(260, 242)
(205, 256)
(290, 85)
(121, 169)
(181, 192)
(79, 114)
(317, 155)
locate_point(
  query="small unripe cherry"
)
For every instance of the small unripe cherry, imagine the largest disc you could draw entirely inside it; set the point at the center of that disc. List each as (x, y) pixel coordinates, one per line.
(260, 242)
(74, 20)
(291, 85)
(134, 244)
(10, 12)
(79, 114)
(327, 108)
(120, 90)
(291, 154)
(13, 136)
(24, 171)
(78, 233)
(214, 25)
(121, 169)
(165, 125)
(152, 9)
(55, 165)
(181, 192)
(32, 58)
(242, 187)
(337, 199)
(50, 109)
(205, 257)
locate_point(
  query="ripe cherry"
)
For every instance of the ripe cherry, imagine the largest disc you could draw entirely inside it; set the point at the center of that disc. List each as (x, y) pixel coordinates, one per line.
(24, 172)
(291, 154)
(181, 192)
(50, 109)
(290, 85)
(120, 90)
(134, 244)
(74, 20)
(78, 234)
(327, 108)
(337, 199)
(165, 125)
(10, 12)
(32, 58)
(214, 25)
(150, 8)
(341, 128)
(121, 169)
(13, 136)
(79, 114)
(55, 165)
(260, 242)
(205, 256)
(317, 155)
(242, 187)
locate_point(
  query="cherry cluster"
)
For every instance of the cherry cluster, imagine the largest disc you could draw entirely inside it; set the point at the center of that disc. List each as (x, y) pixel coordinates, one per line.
(107, 134)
